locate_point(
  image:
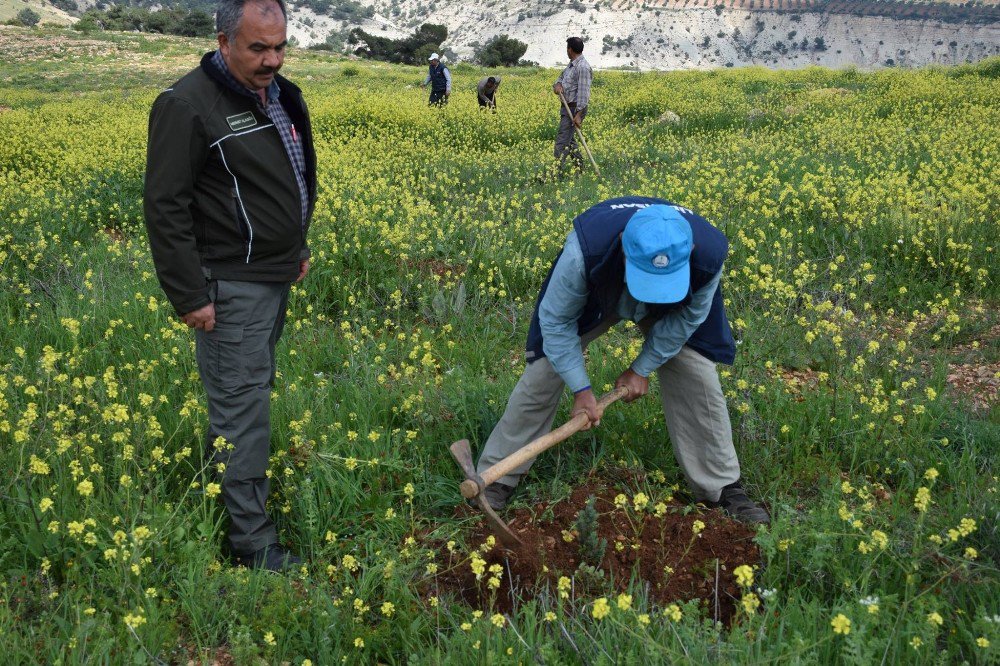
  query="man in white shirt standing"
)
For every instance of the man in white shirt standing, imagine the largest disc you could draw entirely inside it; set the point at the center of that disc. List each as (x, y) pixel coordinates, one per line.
(574, 85)
(439, 79)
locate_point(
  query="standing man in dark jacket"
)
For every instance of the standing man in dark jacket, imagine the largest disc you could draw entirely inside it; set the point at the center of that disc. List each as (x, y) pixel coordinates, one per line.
(658, 265)
(439, 78)
(230, 189)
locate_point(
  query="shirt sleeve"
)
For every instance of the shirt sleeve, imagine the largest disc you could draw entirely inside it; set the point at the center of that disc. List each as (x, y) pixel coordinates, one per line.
(584, 78)
(669, 334)
(447, 80)
(559, 313)
(427, 80)
(562, 76)
(176, 152)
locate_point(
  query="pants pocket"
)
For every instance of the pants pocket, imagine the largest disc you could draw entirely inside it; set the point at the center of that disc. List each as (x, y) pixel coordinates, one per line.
(223, 356)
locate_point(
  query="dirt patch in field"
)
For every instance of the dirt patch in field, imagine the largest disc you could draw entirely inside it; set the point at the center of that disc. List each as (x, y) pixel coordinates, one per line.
(436, 267)
(797, 380)
(974, 374)
(977, 383)
(664, 549)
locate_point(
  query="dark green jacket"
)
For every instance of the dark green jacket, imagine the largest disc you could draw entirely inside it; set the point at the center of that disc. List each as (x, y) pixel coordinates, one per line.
(221, 198)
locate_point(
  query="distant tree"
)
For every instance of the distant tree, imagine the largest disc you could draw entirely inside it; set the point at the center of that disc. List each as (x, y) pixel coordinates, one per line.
(341, 10)
(167, 21)
(196, 24)
(164, 21)
(28, 17)
(424, 52)
(502, 50)
(412, 50)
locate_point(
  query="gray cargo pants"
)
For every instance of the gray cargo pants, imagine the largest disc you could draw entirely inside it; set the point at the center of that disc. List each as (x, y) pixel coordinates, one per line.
(236, 362)
(566, 138)
(693, 405)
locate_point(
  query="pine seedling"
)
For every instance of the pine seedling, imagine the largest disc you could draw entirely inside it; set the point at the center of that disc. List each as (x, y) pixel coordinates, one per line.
(591, 545)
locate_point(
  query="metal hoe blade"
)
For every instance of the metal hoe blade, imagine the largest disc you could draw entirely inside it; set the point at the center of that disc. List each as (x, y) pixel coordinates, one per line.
(462, 453)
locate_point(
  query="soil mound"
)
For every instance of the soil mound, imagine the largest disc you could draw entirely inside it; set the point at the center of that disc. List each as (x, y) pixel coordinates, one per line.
(680, 552)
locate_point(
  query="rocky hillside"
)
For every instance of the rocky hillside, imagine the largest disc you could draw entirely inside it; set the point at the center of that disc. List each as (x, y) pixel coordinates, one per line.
(675, 35)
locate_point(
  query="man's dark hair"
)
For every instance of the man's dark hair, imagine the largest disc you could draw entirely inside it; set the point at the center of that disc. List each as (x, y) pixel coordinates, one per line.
(575, 44)
(492, 80)
(229, 13)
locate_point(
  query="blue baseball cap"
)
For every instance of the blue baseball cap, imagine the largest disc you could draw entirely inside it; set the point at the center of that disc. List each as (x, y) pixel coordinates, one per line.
(658, 243)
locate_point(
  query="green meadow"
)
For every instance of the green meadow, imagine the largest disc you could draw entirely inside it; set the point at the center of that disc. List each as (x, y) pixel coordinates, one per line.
(862, 213)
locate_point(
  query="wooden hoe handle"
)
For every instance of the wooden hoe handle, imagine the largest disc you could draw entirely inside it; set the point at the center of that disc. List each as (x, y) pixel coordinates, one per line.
(543, 443)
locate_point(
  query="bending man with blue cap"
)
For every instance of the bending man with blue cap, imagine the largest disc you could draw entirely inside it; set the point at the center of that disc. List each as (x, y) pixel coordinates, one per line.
(659, 265)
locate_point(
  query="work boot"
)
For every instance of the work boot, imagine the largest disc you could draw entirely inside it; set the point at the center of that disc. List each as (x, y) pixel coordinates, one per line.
(497, 495)
(737, 505)
(269, 558)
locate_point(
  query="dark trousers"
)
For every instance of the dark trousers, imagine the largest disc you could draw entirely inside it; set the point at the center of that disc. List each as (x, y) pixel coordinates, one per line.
(566, 138)
(438, 98)
(237, 367)
(488, 103)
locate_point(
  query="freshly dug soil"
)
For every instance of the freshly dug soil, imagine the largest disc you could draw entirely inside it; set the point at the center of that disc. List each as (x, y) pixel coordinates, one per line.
(662, 551)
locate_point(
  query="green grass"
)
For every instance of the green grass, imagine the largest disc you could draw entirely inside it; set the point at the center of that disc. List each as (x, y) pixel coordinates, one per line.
(852, 215)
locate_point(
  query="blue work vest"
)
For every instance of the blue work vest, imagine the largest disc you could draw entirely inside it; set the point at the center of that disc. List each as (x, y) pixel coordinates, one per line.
(438, 82)
(599, 230)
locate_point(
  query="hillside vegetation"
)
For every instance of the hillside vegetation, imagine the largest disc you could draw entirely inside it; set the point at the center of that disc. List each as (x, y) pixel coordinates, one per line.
(861, 210)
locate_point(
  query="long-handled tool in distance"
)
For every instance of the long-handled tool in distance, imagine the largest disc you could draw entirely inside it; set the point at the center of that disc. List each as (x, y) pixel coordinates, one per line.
(474, 485)
(579, 133)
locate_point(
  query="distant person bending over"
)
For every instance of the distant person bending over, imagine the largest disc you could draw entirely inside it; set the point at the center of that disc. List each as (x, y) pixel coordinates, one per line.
(487, 91)
(230, 189)
(439, 79)
(574, 85)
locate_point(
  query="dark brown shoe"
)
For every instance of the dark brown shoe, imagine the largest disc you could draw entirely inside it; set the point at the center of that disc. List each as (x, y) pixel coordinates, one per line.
(738, 506)
(269, 558)
(497, 496)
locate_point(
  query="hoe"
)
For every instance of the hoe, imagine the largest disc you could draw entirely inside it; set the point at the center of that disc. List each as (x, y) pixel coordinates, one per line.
(474, 485)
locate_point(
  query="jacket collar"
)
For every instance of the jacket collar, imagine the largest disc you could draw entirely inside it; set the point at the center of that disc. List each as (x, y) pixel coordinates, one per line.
(215, 66)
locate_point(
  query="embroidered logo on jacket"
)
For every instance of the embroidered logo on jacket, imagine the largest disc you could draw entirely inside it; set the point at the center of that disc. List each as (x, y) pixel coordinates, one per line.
(241, 121)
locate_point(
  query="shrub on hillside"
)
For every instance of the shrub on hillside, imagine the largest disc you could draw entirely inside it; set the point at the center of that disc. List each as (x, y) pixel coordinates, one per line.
(166, 21)
(28, 17)
(412, 50)
(502, 50)
(342, 10)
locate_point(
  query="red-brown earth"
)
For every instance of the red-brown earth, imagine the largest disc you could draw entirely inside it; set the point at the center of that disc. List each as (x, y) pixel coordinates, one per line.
(662, 553)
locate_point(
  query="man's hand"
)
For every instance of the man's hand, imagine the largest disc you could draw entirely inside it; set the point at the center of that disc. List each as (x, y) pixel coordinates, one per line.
(203, 318)
(585, 402)
(577, 120)
(637, 385)
(303, 269)
(558, 89)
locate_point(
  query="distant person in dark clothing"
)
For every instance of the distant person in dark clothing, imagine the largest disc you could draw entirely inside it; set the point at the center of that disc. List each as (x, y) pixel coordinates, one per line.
(487, 91)
(439, 79)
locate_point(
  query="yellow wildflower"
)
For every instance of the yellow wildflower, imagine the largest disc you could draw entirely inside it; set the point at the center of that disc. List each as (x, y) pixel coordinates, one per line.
(841, 624)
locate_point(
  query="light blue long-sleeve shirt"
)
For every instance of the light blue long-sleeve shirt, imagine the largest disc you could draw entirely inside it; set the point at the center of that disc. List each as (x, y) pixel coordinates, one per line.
(563, 304)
